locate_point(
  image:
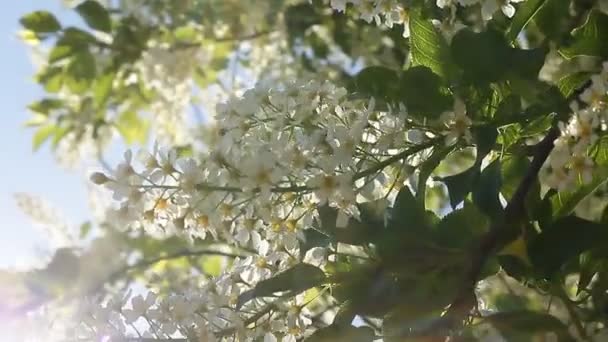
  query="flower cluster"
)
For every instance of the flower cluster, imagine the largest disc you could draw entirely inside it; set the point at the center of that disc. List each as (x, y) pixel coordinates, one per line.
(391, 12)
(204, 314)
(572, 159)
(382, 12)
(273, 156)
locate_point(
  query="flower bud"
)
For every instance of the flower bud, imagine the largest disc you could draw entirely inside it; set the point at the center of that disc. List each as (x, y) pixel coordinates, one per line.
(99, 178)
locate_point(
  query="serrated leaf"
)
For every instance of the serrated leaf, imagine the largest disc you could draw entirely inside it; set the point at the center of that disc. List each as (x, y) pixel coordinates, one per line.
(354, 233)
(569, 84)
(80, 71)
(59, 135)
(590, 38)
(76, 38)
(526, 64)
(132, 128)
(484, 56)
(60, 52)
(461, 184)
(42, 134)
(102, 87)
(563, 240)
(295, 280)
(552, 18)
(461, 227)
(485, 138)
(421, 91)
(428, 166)
(40, 22)
(487, 190)
(313, 238)
(428, 45)
(95, 15)
(588, 268)
(525, 13)
(509, 110)
(45, 106)
(380, 82)
(564, 203)
(409, 214)
(513, 170)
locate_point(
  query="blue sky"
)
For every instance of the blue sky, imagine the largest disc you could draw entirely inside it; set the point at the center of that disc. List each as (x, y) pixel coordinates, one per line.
(21, 170)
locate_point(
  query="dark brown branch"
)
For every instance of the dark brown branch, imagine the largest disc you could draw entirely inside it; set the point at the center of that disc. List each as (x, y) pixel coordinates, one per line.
(501, 232)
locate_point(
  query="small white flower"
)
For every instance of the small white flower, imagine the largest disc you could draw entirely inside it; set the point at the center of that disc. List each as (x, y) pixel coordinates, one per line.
(457, 122)
(139, 307)
(489, 7)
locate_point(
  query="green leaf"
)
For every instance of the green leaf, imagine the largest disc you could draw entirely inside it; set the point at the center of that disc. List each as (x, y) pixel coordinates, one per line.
(76, 38)
(354, 233)
(428, 166)
(60, 52)
(428, 46)
(521, 325)
(552, 18)
(564, 203)
(509, 110)
(590, 38)
(40, 22)
(85, 229)
(80, 71)
(335, 333)
(513, 170)
(484, 56)
(461, 184)
(42, 134)
(102, 87)
(186, 34)
(313, 238)
(461, 227)
(421, 91)
(563, 240)
(485, 139)
(409, 214)
(487, 190)
(59, 135)
(95, 15)
(295, 280)
(588, 267)
(525, 13)
(132, 128)
(569, 84)
(380, 82)
(526, 64)
(46, 105)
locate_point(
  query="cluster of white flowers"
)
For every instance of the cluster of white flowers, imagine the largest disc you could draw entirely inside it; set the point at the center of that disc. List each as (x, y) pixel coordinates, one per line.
(276, 154)
(382, 12)
(488, 7)
(391, 12)
(203, 313)
(168, 71)
(572, 161)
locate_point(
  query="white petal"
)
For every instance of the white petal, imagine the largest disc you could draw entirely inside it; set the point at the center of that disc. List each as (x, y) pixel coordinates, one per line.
(508, 10)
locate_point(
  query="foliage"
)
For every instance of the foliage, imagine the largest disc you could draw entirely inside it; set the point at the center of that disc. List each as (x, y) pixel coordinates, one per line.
(330, 170)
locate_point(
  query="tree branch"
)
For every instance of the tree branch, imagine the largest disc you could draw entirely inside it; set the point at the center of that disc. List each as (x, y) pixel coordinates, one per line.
(149, 262)
(501, 232)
